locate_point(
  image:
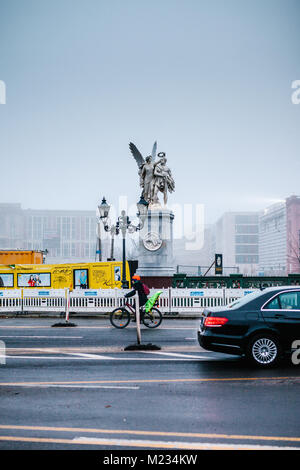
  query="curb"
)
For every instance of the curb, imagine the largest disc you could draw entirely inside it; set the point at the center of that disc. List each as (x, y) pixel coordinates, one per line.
(102, 316)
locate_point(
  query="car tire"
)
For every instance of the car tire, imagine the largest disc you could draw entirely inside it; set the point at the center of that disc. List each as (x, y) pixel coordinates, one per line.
(263, 350)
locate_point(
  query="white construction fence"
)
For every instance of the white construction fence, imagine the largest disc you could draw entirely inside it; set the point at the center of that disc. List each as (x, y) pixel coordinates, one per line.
(172, 302)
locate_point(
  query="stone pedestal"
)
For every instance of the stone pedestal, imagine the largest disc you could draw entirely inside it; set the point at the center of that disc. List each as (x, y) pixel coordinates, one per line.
(156, 244)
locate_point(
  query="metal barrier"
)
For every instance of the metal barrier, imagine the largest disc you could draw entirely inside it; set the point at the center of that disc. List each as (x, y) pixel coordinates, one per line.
(10, 300)
(187, 300)
(44, 300)
(172, 301)
(96, 300)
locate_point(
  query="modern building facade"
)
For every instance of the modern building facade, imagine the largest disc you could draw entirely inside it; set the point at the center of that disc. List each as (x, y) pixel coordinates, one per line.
(272, 240)
(236, 237)
(279, 238)
(66, 235)
(11, 226)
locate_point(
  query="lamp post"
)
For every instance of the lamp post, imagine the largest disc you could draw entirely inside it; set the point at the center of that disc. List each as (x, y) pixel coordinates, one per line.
(142, 207)
(113, 232)
(123, 224)
(103, 216)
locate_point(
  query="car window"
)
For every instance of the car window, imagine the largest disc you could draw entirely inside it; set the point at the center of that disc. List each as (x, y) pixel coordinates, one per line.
(244, 300)
(273, 304)
(290, 300)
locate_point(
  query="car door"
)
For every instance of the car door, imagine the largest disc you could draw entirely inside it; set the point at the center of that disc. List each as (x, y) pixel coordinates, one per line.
(282, 312)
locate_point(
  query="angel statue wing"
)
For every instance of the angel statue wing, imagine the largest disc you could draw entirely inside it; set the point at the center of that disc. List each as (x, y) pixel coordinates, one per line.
(154, 151)
(137, 155)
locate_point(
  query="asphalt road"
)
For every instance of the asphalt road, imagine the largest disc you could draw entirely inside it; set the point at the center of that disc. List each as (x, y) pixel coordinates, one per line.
(76, 388)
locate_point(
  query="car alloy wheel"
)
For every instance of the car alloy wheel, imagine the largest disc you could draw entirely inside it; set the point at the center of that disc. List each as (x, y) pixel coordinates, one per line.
(264, 350)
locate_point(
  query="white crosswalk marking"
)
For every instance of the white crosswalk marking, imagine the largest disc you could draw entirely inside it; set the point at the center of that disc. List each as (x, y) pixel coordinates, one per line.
(63, 354)
(185, 356)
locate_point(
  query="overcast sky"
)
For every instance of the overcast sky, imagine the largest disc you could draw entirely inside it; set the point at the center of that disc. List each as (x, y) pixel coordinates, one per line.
(210, 80)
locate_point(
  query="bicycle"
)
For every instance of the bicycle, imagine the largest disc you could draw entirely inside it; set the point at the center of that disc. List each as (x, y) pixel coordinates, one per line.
(120, 317)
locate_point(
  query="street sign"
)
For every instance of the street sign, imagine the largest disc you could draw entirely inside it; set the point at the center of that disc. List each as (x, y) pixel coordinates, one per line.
(218, 264)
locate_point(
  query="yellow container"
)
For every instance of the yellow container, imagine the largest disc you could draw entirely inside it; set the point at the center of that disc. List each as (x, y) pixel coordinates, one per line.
(21, 257)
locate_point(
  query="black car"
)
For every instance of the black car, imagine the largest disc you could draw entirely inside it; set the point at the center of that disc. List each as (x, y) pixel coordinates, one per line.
(261, 326)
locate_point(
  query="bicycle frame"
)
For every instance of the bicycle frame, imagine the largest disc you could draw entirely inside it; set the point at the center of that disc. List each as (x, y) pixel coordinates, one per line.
(127, 304)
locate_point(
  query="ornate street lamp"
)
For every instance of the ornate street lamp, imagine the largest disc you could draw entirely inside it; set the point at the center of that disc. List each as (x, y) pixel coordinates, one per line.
(142, 207)
(103, 209)
(123, 224)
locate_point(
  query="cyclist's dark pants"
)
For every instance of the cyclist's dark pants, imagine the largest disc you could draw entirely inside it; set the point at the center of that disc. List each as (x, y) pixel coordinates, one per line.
(141, 303)
(141, 311)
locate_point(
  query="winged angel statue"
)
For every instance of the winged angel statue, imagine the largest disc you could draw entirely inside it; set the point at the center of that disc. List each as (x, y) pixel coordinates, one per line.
(154, 175)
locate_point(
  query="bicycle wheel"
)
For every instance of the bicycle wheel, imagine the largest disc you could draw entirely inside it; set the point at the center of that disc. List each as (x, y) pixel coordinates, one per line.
(152, 319)
(120, 317)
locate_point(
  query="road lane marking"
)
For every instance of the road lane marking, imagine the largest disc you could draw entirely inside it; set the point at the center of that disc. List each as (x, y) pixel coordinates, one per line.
(43, 337)
(186, 356)
(102, 349)
(167, 434)
(56, 358)
(167, 354)
(174, 444)
(86, 386)
(94, 357)
(147, 381)
(142, 444)
(88, 356)
(41, 327)
(17, 327)
(105, 327)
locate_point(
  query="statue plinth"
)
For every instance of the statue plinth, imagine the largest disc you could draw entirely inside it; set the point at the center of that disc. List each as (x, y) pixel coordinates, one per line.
(156, 243)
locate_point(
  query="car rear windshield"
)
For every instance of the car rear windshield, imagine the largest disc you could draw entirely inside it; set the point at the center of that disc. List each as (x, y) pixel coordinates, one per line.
(244, 300)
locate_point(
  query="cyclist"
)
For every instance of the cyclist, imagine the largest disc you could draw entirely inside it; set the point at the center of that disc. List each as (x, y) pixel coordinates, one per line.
(139, 288)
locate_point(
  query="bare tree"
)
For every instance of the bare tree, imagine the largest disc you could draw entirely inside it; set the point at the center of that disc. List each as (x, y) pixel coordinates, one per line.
(293, 255)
